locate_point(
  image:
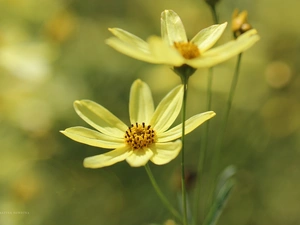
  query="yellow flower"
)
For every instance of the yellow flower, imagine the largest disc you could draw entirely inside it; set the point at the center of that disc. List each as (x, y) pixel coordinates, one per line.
(174, 49)
(148, 137)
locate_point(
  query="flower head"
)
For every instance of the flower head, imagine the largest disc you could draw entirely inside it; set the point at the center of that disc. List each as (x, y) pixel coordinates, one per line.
(147, 138)
(174, 49)
(240, 24)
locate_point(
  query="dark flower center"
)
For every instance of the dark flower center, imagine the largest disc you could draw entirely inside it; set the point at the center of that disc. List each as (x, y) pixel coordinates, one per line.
(139, 136)
(187, 49)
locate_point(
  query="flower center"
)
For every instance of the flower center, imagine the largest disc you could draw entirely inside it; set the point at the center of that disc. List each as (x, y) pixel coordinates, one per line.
(187, 49)
(139, 136)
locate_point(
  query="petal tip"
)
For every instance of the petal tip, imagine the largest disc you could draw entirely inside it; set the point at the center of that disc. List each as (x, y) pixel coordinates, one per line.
(108, 41)
(224, 25)
(87, 164)
(77, 102)
(166, 11)
(211, 114)
(113, 30)
(252, 31)
(138, 81)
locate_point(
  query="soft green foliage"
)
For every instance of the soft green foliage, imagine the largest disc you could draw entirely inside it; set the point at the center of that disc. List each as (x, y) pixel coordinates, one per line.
(223, 191)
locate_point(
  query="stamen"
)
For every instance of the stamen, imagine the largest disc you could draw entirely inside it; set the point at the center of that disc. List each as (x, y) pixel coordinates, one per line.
(139, 136)
(187, 49)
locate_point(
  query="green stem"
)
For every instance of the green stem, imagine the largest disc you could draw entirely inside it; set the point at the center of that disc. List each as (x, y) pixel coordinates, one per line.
(161, 195)
(183, 188)
(203, 147)
(219, 143)
(214, 13)
(184, 72)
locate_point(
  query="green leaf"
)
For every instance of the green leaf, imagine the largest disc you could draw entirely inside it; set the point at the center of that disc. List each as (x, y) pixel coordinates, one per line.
(227, 173)
(223, 190)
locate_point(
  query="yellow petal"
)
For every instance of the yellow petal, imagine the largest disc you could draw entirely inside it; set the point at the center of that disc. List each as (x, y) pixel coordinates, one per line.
(164, 53)
(167, 110)
(207, 37)
(242, 43)
(100, 118)
(172, 29)
(141, 106)
(224, 52)
(107, 159)
(130, 50)
(190, 124)
(93, 138)
(130, 39)
(139, 157)
(165, 152)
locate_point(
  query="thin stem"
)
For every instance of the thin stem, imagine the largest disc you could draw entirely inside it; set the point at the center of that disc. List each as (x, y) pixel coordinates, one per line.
(161, 195)
(214, 13)
(183, 188)
(219, 143)
(184, 72)
(203, 147)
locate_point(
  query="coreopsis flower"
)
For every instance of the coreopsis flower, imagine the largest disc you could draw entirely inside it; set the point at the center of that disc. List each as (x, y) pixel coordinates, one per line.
(147, 138)
(174, 48)
(240, 24)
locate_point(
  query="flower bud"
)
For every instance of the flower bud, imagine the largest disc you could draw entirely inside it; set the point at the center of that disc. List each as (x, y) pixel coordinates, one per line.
(190, 179)
(239, 23)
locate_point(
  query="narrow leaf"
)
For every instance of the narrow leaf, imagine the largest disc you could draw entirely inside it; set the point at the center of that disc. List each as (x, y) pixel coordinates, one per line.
(219, 203)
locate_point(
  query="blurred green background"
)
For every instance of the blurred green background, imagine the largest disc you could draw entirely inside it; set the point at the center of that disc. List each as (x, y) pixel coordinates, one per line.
(52, 52)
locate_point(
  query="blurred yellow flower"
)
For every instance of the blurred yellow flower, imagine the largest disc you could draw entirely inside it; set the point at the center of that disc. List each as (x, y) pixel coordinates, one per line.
(174, 49)
(148, 137)
(240, 24)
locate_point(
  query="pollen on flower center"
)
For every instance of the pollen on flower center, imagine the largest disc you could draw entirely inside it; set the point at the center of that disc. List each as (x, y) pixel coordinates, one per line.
(139, 136)
(187, 49)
